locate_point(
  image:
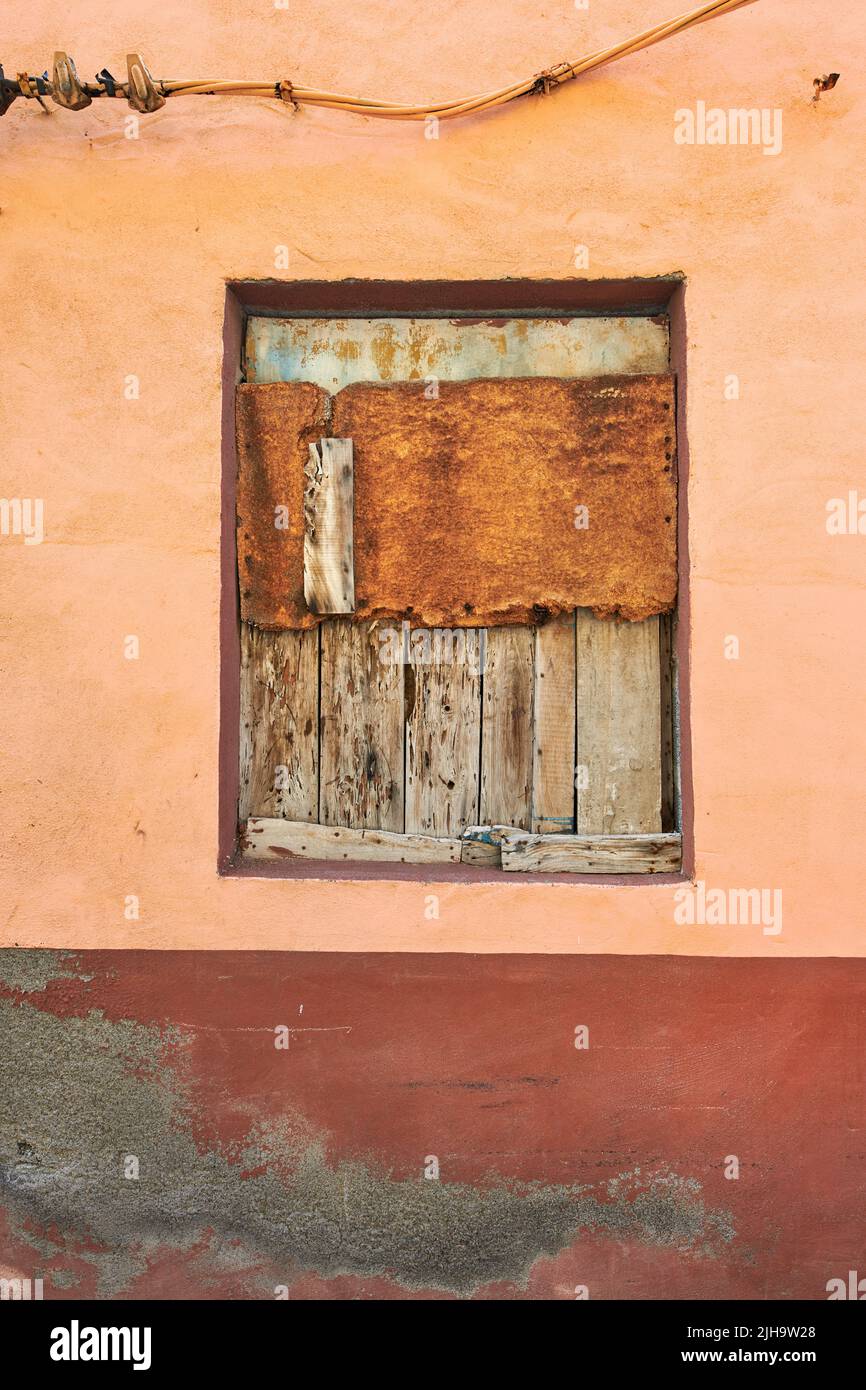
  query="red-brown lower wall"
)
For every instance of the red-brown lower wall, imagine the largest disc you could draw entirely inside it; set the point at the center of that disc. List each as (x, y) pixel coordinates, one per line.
(560, 1167)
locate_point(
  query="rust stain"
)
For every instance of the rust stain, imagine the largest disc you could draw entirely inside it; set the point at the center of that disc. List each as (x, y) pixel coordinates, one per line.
(824, 84)
(275, 425)
(384, 349)
(465, 505)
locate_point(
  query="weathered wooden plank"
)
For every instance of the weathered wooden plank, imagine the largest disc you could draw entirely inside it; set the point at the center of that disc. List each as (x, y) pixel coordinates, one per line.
(668, 743)
(618, 726)
(329, 566)
(266, 838)
(479, 852)
(506, 727)
(553, 727)
(362, 728)
(443, 732)
(481, 843)
(588, 854)
(279, 748)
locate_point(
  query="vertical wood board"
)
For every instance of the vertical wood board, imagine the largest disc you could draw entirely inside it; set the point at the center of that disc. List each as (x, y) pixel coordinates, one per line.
(618, 726)
(668, 730)
(443, 735)
(506, 741)
(554, 727)
(279, 749)
(362, 729)
(329, 566)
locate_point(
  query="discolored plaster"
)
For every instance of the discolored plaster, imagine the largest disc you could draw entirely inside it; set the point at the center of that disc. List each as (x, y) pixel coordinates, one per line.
(80, 1094)
(376, 220)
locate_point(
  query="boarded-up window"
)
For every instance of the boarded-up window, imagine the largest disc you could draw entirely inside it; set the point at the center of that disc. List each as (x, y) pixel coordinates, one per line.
(458, 578)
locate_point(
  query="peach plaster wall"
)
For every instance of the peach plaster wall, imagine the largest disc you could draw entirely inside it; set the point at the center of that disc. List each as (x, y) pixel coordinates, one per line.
(115, 256)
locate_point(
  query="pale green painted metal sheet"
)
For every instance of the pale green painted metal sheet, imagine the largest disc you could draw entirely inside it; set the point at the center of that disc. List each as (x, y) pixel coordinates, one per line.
(335, 353)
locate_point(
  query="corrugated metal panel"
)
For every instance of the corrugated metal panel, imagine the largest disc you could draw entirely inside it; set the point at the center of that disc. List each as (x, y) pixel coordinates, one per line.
(335, 353)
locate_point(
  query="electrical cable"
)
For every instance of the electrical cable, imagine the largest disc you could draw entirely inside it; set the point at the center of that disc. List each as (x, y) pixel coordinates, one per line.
(144, 93)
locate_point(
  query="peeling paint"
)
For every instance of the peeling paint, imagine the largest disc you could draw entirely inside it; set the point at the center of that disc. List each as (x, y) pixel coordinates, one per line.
(338, 353)
(33, 971)
(80, 1094)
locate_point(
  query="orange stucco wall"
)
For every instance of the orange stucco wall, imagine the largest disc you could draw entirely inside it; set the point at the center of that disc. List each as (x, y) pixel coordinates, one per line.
(114, 254)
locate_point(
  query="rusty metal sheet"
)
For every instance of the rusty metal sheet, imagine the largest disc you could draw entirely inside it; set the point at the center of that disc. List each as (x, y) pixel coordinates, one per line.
(275, 426)
(498, 501)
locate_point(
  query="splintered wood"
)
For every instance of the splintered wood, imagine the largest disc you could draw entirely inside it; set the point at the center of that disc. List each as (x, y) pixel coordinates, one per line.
(329, 567)
(362, 733)
(265, 838)
(587, 854)
(553, 727)
(667, 660)
(279, 748)
(482, 844)
(405, 723)
(506, 744)
(443, 733)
